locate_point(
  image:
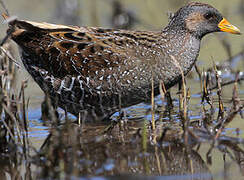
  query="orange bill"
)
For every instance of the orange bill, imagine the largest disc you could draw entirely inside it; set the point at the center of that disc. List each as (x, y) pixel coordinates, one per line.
(225, 26)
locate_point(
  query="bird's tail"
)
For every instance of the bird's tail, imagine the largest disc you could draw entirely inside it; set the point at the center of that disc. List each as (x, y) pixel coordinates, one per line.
(6, 17)
(10, 20)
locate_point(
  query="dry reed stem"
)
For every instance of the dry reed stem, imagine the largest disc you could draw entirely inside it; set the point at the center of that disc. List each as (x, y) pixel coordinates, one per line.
(25, 120)
(184, 94)
(9, 131)
(22, 92)
(162, 90)
(15, 121)
(165, 94)
(157, 160)
(152, 104)
(10, 57)
(235, 97)
(240, 78)
(236, 108)
(4, 7)
(199, 75)
(184, 99)
(144, 136)
(163, 135)
(79, 119)
(206, 93)
(219, 93)
(54, 118)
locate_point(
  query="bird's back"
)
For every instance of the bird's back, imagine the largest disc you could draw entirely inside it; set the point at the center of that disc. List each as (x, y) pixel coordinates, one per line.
(86, 65)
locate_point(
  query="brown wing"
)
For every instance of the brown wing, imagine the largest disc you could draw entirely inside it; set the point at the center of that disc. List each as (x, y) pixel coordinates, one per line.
(65, 50)
(103, 59)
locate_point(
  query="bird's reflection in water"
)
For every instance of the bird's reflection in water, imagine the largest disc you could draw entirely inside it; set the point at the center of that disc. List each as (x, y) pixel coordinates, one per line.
(117, 152)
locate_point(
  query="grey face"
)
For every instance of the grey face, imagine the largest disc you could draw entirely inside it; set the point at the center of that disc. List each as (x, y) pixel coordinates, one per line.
(197, 19)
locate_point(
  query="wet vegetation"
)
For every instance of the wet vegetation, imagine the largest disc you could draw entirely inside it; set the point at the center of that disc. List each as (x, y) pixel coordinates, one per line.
(162, 138)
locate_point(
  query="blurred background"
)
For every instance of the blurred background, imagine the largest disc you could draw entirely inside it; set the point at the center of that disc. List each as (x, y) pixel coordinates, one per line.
(129, 14)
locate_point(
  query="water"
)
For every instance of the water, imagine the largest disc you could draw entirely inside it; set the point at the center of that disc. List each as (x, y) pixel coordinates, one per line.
(120, 151)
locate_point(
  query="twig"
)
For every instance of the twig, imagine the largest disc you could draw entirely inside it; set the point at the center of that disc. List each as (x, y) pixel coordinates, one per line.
(184, 94)
(228, 119)
(4, 7)
(9, 131)
(10, 57)
(163, 135)
(199, 75)
(152, 104)
(15, 121)
(219, 93)
(241, 78)
(165, 94)
(162, 90)
(206, 92)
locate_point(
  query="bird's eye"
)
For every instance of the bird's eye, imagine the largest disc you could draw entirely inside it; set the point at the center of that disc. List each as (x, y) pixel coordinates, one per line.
(208, 15)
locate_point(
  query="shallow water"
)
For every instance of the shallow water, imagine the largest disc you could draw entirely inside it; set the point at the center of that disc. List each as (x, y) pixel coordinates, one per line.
(120, 151)
(82, 151)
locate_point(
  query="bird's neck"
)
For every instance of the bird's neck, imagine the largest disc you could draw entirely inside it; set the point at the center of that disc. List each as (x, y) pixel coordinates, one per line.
(180, 51)
(185, 48)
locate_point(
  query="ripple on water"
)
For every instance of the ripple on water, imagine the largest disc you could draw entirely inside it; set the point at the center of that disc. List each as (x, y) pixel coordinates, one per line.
(37, 130)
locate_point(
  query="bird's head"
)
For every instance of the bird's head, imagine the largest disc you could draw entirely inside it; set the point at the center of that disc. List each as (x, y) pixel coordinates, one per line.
(200, 19)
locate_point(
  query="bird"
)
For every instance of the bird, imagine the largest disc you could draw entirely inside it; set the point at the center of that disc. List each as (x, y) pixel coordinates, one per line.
(93, 72)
